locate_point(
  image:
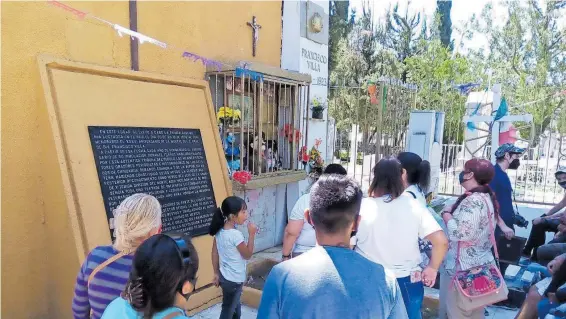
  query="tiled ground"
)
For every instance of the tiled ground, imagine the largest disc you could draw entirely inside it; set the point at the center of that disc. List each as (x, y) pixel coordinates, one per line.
(250, 313)
(214, 313)
(494, 313)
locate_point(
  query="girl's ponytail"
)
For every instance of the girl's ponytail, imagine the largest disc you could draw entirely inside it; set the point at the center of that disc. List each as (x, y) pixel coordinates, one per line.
(230, 206)
(217, 222)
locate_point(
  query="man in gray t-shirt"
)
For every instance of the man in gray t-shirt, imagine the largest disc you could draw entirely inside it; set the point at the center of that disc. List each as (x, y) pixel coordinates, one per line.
(331, 280)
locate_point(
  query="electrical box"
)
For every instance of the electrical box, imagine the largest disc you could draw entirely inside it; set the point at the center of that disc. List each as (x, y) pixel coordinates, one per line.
(425, 139)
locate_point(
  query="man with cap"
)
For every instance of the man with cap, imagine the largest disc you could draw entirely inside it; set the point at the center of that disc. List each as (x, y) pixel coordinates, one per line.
(549, 222)
(507, 157)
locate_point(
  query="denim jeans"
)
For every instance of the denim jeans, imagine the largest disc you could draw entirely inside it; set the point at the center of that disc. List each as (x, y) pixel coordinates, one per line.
(413, 295)
(231, 293)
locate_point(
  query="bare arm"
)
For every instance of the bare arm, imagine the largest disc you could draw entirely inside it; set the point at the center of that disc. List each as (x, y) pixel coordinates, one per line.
(508, 231)
(292, 232)
(215, 259)
(247, 250)
(557, 208)
(439, 248)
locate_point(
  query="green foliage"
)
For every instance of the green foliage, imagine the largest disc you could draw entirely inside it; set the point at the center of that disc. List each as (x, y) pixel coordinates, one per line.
(443, 8)
(526, 54)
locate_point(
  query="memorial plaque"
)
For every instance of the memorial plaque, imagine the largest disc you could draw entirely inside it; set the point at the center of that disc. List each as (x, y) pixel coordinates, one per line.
(168, 163)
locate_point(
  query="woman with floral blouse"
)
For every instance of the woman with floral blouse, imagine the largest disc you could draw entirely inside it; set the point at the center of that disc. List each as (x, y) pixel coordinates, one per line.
(468, 222)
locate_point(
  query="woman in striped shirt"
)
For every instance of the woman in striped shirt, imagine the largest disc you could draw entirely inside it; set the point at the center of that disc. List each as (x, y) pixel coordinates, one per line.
(105, 271)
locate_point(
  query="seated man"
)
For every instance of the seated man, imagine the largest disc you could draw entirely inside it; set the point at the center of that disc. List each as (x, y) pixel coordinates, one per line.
(557, 268)
(299, 234)
(554, 296)
(331, 280)
(549, 222)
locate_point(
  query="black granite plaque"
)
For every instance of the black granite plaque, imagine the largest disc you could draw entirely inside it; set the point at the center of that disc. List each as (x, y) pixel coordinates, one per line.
(168, 163)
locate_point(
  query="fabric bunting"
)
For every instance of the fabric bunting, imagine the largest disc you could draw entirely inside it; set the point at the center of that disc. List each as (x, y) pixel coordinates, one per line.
(78, 13)
(142, 38)
(256, 76)
(205, 61)
(466, 88)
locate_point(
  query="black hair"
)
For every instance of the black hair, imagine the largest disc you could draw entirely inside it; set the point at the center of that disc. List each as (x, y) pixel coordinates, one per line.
(387, 178)
(418, 171)
(335, 169)
(335, 202)
(230, 206)
(159, 270)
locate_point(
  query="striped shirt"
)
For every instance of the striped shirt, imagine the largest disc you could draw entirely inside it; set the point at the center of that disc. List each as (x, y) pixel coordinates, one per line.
(106, 285)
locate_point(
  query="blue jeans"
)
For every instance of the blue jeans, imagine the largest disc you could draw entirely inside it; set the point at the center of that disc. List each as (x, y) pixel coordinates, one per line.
(413, 295)
(231, 293)
(543, 308)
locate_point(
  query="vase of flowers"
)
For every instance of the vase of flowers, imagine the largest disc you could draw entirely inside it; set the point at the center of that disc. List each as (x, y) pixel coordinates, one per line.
(317, 109)
(316, 162)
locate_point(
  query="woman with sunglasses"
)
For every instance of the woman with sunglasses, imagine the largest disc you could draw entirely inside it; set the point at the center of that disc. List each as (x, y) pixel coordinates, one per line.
(162, 278)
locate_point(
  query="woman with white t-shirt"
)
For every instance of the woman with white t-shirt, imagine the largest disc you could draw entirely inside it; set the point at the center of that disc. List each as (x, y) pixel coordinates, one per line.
(391, 223)
(299, 234)
(230, 252)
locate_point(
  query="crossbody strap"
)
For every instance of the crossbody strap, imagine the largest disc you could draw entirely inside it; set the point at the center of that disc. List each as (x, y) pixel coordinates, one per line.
(104, 264)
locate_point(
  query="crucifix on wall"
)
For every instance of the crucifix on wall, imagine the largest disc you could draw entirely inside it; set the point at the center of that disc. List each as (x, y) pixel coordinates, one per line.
(255, 32)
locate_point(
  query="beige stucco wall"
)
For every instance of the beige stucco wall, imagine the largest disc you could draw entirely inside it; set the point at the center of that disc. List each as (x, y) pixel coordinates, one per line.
(39, 261)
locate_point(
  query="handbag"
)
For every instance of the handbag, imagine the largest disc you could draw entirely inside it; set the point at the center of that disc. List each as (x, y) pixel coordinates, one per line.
(480, 286)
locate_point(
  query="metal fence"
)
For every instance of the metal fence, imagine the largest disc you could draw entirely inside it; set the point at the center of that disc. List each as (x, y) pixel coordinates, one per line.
(367, 132)
(262, 121)
(377, 124)
(533, 182)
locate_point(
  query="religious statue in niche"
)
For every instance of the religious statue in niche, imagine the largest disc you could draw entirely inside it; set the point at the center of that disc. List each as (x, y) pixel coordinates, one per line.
(255, 33)
(315, 23)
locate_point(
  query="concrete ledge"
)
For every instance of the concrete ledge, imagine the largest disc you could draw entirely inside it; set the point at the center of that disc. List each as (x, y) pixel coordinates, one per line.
(270, 179)
(251, 297)
(431, 298)
(204, 299)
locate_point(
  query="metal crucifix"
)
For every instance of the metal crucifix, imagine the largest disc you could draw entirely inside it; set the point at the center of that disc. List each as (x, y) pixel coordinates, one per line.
(255, 32)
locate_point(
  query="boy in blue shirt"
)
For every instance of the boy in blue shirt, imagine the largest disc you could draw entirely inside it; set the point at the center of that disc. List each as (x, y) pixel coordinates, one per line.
(331, 280)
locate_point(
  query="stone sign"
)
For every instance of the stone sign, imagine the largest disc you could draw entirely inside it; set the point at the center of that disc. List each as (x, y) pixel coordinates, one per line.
(168, 163)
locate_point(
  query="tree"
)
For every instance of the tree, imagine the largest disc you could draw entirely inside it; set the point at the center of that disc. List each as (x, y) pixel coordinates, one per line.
(434, 71)
(443, 8)
(340, 25)
(527, 55)
(401, 34)
(361, 58)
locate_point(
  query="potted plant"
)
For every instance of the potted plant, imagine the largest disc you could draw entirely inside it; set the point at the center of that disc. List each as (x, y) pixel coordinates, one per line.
(317, 109)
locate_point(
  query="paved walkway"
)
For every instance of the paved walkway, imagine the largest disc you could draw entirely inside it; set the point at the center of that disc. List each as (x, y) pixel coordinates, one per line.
(214, 313)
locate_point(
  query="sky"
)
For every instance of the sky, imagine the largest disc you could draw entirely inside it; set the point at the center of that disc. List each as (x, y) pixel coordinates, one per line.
(462, 11)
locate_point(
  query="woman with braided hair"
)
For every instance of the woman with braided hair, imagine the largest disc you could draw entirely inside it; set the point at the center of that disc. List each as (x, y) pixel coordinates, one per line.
(104, 273)
(162, 278)
(470, 223)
